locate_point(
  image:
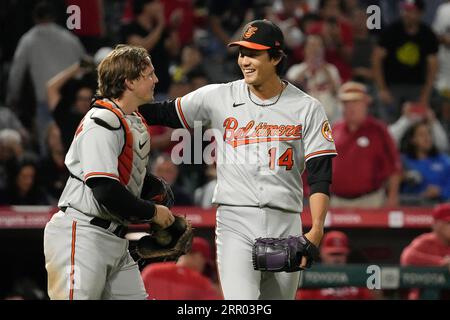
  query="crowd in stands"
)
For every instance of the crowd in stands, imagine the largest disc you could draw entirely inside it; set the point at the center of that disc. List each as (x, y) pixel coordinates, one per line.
(402, 133)
(386, 92)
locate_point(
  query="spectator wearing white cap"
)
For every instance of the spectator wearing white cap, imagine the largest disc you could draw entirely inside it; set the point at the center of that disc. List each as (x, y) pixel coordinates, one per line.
(367, 171)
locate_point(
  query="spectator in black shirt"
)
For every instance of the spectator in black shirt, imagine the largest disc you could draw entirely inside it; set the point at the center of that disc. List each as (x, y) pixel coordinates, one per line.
(405, 61)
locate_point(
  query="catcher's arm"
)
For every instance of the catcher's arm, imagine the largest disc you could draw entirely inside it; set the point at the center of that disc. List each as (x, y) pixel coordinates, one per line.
(116, 198)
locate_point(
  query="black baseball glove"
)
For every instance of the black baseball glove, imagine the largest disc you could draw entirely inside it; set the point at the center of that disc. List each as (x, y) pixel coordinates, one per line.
(283, 254)
(157, 190)
(166, 244)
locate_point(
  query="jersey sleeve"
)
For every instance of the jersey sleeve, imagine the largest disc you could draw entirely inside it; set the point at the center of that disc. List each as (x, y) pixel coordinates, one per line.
(194, 106)
(317, 136)
(99, 150)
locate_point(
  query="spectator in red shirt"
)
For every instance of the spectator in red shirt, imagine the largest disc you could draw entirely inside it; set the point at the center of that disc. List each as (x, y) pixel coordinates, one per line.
(334, 250)
(182, 280)
(432, 248)
(367, 171)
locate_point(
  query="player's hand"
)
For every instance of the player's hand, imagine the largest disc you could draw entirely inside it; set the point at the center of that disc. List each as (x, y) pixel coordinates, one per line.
(315, 236)
(163, 216)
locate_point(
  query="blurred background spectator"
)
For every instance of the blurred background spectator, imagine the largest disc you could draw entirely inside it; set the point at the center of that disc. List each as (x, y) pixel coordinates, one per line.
(363, 46)
(317, 77)
(91, 31)
(69, 97)
(414, 113)
(150, 30)
(432, 248)
(366, 173)
(426, 170)
(52, 168)
(441, 25)
(334, 251)
(337, 34)
(203, 195)
(185, 279)
(405, 61)
(43, 51)
(23, 187)
(163, 167)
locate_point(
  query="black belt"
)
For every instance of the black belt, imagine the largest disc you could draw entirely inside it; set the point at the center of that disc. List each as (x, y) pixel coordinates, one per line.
(120, 230)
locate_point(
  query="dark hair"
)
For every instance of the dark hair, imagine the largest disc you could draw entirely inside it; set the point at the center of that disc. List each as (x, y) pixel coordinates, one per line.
(43, 11)
(123, 63)
(277, 54)
(407, 145)
(138, 6)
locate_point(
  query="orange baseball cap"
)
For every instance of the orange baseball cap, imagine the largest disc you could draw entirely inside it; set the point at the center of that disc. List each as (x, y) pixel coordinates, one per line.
(335, 242)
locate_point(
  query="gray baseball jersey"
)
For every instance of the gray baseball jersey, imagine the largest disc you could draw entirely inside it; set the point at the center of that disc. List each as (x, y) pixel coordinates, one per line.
(83, 260)
(261, 154)
(264, 149)
(97, 151)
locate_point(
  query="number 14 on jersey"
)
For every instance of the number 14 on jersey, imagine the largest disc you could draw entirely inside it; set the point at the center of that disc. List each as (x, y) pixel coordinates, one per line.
(285, 160)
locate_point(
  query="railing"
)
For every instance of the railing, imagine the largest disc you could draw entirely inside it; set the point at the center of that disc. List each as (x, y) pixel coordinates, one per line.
(382, 277)
(392, 277)
(30, 217)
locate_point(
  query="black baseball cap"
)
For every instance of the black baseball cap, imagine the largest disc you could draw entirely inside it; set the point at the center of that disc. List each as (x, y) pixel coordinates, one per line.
(260, 35)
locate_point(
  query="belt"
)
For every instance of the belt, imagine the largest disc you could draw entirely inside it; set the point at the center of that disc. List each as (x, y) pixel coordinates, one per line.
(118, 230)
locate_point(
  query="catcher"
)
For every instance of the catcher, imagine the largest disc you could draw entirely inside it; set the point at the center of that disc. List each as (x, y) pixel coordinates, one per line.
(86, 255)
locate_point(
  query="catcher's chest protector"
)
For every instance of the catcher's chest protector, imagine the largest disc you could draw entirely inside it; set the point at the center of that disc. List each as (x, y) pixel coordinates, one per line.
(133, 159)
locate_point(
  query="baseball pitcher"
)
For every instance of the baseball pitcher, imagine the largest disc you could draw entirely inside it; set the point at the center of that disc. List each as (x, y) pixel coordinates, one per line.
(267, 133)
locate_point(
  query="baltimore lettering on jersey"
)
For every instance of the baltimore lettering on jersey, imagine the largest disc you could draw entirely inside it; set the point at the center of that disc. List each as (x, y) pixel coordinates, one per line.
(261, 132)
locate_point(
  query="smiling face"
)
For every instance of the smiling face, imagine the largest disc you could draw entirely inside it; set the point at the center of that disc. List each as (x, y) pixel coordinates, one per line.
(256, 66)
(144, 86)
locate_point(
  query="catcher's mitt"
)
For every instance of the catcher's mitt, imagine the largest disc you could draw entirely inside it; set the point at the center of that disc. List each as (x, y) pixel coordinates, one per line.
(167, 244)
(158, 191)
(283, 254)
